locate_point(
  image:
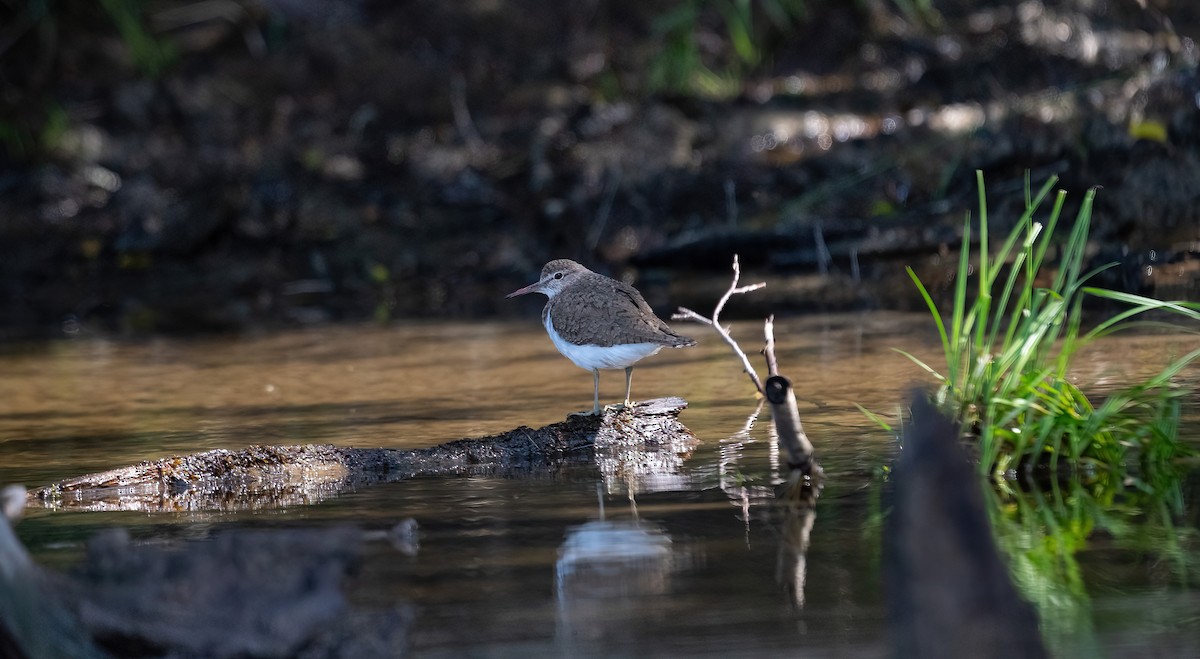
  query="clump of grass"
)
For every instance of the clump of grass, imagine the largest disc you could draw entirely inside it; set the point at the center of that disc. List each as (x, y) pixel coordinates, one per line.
(1009, 346)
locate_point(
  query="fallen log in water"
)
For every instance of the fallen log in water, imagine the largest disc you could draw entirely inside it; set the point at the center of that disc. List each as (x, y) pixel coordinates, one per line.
(646, 438)
(271, 592)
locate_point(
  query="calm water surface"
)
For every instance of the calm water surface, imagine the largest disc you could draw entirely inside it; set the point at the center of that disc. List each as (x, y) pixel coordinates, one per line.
(697, 563)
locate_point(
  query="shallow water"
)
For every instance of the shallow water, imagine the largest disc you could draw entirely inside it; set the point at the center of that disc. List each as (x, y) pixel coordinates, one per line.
(696, 563)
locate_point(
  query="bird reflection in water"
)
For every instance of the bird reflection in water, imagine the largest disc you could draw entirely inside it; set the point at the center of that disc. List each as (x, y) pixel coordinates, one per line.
(612, 578)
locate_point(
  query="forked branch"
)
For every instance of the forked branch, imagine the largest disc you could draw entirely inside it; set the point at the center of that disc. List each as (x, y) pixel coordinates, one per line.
(687, 314)
(778, 389)
(769, 347)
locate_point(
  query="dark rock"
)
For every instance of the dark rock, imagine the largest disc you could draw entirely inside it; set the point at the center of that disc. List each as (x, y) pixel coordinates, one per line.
(242, 593)
(949, 594)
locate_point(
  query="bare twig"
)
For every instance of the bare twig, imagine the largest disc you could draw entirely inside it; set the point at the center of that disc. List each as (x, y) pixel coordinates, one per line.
(611, 186)
(750, 420)
(778, 390)
(195, 13)
(687, 314)
(769, 348)
(462, 114)
(731, 209)
(823, 255)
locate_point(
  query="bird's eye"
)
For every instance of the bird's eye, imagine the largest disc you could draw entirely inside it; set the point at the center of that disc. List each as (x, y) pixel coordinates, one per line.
(558, 275)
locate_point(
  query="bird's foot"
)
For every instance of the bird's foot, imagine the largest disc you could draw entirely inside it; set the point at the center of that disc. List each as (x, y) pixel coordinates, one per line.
(595, 412)
(617, 407)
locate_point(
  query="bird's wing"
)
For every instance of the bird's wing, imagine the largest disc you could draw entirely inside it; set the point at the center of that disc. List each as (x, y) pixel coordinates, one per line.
(617, 314)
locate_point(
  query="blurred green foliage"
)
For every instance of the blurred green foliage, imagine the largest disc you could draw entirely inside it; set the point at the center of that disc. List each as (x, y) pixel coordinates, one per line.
(747, 29)
(711, 47)
(33, 38)
(151, 55)
(22, 136)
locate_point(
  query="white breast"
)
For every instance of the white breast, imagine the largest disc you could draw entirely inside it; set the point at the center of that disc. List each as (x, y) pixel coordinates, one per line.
(593, 356)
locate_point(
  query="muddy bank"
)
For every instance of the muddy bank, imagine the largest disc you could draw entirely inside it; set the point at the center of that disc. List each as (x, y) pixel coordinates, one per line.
(291, 164)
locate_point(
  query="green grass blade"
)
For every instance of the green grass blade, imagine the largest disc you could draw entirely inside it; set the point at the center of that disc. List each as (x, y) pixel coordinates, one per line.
(1030, 233)
(916, 360)
(954, 359)
(937, 317)
(878, 420)
(1051, 225)
(1076, 247)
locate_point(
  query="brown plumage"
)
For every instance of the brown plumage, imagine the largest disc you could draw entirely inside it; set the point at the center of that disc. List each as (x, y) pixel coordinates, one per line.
(610, 313)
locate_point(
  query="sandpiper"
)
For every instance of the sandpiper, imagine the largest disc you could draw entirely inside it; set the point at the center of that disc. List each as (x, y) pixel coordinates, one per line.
(598, 322)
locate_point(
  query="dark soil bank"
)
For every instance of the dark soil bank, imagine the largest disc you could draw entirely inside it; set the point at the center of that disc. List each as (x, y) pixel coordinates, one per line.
(193, 167)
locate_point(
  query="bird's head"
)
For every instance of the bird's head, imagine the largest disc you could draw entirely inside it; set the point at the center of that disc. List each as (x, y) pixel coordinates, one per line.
(556, 275)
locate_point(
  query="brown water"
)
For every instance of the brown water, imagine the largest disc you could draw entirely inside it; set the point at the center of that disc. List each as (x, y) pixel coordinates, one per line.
(518, 566)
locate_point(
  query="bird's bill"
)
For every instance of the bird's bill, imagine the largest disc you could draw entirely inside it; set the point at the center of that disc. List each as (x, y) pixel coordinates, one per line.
(532, 288)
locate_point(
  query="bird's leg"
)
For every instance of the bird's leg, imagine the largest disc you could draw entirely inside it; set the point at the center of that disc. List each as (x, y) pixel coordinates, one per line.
(596, 392)
(595, 398)
(628, 383)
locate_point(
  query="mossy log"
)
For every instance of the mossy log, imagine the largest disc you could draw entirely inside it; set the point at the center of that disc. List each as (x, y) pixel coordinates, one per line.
(648, 438)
